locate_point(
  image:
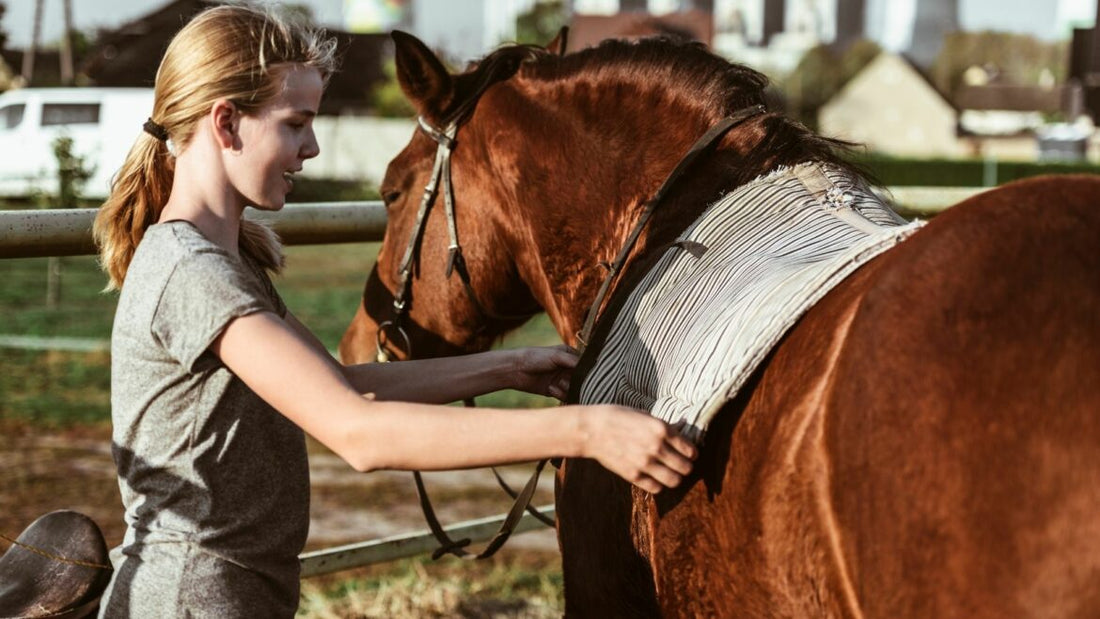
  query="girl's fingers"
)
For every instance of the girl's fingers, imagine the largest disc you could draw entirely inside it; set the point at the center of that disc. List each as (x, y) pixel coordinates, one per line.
(648, 484)
(564, 358)
(683, 446)
(674, 459)
(561, 382)
(663, 475)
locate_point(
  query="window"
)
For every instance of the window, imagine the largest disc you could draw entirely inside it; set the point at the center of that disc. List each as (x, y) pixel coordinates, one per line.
(69, 113)
(11, 115)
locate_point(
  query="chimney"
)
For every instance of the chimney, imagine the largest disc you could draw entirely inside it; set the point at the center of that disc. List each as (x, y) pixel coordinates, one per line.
(774, 16)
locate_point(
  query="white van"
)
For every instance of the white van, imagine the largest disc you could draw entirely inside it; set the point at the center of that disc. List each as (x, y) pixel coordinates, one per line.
(102, 122)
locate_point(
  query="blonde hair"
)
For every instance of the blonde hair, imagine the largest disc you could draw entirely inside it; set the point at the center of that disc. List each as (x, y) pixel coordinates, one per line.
(226, 52)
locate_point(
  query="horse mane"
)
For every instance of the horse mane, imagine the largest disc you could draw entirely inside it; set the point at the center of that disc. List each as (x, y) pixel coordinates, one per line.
(701, 81)
(497, 66)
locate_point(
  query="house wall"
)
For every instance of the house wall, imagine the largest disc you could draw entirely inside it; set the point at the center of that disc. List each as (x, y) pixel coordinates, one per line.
(357, 147)
(892, 109)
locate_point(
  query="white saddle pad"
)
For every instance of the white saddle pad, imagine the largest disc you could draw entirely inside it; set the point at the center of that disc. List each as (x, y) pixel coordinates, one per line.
(694, 329)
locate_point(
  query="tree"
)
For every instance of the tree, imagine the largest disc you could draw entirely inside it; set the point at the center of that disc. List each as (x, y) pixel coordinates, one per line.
(1016, 58)
(820, 75)
(387, 98)
(302, 12)
(541, 24)
(3, 35)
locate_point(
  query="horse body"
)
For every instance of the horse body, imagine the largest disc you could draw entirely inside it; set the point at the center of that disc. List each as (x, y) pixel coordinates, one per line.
(924, 442)
(918, 446)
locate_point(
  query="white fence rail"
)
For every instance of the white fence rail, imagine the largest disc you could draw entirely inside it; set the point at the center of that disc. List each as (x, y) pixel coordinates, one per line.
(371, 552)
(67, 232)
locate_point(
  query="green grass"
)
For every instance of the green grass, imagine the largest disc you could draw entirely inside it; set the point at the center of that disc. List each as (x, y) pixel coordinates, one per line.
(84, 311)
(55, 389)
(507, 585)
(321, 285)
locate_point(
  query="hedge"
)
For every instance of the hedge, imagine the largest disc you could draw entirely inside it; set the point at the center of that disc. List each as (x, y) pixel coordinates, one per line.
(960, 172)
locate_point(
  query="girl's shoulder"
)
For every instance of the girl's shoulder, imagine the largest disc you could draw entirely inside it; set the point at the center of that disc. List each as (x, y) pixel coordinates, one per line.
(181, 236)
(177, 250)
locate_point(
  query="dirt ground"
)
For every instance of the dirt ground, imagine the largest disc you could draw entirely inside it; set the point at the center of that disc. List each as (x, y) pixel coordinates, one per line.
(44, 471)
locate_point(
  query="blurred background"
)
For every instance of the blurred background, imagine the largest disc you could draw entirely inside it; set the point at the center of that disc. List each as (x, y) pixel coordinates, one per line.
(948, 96)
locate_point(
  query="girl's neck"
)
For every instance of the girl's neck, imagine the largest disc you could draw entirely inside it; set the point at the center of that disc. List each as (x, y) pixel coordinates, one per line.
(201, 196)
(220, 226)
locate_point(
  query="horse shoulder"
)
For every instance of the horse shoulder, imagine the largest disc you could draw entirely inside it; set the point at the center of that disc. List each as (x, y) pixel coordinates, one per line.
(751, 529)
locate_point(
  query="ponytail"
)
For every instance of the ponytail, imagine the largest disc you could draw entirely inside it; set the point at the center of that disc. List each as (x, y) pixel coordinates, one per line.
(138, 194)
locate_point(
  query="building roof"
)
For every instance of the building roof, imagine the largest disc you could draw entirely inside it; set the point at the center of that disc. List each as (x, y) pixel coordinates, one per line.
(1011, 97)
(131, 54)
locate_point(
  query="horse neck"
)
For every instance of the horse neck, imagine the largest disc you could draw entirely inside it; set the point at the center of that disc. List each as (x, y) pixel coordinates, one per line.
(595, 166)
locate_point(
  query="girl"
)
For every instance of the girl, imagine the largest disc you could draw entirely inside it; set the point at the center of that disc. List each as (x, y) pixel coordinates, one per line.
(213, 380)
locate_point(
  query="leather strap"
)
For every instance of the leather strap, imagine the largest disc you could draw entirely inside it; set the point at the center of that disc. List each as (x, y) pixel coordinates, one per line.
(700, 145)
(458, 547)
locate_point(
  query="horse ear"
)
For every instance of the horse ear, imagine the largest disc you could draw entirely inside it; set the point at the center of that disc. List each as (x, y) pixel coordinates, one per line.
(423, 78)
(558, 45)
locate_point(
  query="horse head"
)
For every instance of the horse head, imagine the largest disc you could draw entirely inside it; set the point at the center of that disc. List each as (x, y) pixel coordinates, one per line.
(422, 266)
(549, 160)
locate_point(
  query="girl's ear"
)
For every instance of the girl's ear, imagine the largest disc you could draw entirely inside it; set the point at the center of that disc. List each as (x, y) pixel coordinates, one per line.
(423, 78)
(225, 121)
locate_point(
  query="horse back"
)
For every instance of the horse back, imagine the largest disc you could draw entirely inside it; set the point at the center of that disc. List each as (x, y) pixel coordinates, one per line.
(923, 443)
(963, 425)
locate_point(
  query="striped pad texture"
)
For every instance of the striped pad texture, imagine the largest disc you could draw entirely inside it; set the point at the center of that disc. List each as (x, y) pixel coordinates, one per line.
(694, 329)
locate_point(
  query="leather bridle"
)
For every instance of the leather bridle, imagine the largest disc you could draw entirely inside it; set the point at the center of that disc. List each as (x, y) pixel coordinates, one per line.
(440, 180)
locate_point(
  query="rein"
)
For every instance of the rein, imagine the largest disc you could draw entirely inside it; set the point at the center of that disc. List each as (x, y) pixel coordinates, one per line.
(456, 263)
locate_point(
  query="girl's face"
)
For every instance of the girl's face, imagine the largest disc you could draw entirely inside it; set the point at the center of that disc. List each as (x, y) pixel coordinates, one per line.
(277, 140)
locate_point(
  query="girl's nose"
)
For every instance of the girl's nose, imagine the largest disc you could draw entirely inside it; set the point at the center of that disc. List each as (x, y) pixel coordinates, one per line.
(311, 148)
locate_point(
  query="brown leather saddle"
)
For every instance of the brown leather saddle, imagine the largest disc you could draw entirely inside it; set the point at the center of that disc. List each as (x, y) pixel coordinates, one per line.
(57, 567)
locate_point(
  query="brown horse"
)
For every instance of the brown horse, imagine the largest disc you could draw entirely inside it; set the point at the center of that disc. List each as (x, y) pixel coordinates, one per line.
(924, 442)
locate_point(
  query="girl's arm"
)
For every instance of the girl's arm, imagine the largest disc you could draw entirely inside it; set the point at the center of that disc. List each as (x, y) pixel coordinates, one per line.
(544, 371)
(289, 373)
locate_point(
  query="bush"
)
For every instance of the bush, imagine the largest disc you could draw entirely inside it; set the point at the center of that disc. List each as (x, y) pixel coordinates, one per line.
(892, 171)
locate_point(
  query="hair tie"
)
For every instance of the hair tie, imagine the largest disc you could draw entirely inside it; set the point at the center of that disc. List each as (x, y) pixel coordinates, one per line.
(155, 130)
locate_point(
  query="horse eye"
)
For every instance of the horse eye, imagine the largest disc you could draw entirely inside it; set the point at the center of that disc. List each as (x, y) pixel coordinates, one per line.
(389, 197)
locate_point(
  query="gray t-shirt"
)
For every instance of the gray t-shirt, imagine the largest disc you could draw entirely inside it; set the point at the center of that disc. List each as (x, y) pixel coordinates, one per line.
(215, 482)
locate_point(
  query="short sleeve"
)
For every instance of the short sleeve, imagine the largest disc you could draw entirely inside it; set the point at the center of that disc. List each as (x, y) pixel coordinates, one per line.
(202, 295)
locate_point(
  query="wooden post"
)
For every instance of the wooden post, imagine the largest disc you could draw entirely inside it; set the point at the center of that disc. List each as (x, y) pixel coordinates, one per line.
(67, 45)
(36, 34)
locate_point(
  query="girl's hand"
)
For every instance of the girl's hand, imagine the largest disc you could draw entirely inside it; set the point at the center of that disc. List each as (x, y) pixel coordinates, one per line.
(544, 370)
(643, 450)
